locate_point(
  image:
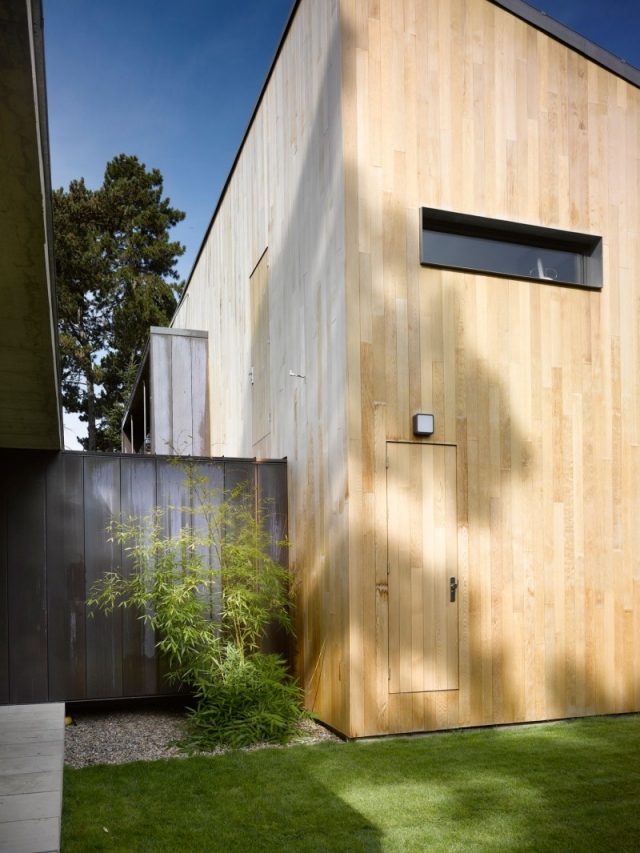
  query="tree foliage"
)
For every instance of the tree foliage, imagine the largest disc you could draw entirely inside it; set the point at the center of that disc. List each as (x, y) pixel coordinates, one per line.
(116, 277)
(210, 592)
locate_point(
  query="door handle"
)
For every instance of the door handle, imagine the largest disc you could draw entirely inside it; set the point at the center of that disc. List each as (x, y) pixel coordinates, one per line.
(453, 586)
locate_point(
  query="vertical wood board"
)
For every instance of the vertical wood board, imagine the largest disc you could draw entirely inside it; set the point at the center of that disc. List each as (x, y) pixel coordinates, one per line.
(422, 546)
(161, 374)
(260, 352)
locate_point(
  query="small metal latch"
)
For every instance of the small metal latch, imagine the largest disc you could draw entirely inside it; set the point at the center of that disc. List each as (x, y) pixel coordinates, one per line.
(453, 586)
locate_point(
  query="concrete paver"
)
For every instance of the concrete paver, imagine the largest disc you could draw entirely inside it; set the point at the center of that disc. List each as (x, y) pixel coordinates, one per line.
(31, 759)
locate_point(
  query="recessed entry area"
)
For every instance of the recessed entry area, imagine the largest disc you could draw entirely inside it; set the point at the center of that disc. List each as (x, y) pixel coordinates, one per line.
(512, 249)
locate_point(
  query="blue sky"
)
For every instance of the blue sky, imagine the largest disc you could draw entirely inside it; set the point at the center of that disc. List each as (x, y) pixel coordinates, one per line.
(175, 84)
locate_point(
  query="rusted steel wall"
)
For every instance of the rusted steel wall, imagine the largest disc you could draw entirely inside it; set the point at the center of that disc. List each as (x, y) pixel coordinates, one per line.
(54, 512)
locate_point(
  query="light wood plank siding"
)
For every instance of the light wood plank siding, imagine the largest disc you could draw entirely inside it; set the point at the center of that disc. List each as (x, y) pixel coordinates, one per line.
(422, 561)
(260, 355)
(374, 109)
(457, 104)
(286, 193)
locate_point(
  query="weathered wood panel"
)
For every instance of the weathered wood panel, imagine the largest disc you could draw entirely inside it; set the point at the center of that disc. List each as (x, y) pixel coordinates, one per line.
(161, 388)
(199, 397)
(53, 545)
(178, 399)
(181, 440)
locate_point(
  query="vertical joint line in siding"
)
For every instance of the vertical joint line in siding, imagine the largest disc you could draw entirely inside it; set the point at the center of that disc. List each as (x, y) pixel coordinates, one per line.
(84, 562)
(5, 525)
(192, 348)
(45, 569)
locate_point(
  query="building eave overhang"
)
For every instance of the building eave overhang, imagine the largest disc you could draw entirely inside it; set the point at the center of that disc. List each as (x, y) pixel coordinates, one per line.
(30, 408)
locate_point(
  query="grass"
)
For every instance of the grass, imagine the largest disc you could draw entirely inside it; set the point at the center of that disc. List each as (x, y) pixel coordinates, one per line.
(571, 786)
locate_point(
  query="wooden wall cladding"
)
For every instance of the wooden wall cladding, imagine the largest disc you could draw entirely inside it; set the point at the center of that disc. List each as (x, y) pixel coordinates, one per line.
(375, 109)
(179, 416)
(457, 104)
(54, 512)
(286, 195)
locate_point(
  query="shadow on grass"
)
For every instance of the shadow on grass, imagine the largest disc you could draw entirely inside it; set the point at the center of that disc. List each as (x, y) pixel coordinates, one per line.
(560, 786)
(266, 800)
(565, 786)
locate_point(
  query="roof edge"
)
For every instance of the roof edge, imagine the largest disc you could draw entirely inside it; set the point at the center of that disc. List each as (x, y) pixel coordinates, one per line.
(541, 21)
(223, 191)
(36, 42)
(519, 8)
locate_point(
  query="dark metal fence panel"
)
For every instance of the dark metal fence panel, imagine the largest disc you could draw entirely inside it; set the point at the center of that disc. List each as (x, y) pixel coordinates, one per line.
(66, 591)
(140, 675)
(26, 581)
(4, 577)
(55, 509)
(104, 632)
(271, 484)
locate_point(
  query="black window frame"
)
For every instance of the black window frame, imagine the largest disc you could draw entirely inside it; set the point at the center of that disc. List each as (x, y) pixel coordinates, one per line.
(587, 247)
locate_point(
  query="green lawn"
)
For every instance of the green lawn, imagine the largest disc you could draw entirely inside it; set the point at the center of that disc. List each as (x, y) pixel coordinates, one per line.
(558, 787)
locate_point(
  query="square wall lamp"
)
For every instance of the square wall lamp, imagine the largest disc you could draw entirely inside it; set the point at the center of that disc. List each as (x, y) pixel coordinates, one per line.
(423, 424)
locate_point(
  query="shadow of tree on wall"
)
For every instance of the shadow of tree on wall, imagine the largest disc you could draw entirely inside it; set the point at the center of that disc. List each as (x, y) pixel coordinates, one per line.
(531, 605)
(310, 325)
(537, 620)
(519, 597)
(518, 592)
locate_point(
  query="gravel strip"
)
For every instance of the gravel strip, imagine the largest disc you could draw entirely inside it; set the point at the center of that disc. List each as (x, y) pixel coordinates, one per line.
(116, 737)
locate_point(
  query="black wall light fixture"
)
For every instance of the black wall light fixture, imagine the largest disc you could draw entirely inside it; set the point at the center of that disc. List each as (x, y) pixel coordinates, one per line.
(423, 424)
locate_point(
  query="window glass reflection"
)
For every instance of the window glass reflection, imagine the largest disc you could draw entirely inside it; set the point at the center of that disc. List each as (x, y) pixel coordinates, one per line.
(504, 258)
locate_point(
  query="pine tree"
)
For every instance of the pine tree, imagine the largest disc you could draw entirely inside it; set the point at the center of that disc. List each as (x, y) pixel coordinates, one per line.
(116, 276)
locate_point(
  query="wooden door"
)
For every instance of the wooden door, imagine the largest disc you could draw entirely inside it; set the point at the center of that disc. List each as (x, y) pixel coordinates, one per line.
(422, 563)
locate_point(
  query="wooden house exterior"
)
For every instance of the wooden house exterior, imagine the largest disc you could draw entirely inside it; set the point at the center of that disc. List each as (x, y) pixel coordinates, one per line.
(167, 412)
(488, 572)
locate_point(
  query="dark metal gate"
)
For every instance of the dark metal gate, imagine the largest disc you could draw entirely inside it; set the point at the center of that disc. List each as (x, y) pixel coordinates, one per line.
(54, 512)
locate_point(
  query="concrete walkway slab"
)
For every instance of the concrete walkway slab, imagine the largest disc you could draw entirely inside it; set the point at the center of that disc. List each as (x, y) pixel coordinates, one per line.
(31, 759)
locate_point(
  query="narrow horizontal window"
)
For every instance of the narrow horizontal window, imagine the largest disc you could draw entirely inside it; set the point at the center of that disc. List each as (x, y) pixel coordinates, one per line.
(512, 249)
